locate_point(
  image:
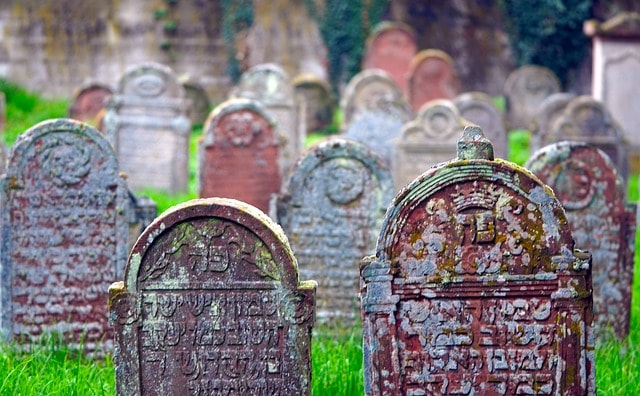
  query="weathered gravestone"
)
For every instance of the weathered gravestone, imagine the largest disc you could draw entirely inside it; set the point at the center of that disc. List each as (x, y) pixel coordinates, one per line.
(146, 122)
(238, 155)
(432, 75)
(374, 112)
(593, 195)
(89, 101)
(616, 57)
(331, 211)
(475, 287)
(391, 47)
(525, 88)
(211, 304)
(426, 141)
(199, 100)
(478, 107)
(584, 119)
(64, 234)
(317, 99)
(270, 85)
(549, 110)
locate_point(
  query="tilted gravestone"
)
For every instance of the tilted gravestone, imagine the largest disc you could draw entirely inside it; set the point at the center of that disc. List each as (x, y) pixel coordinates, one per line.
(593, 195)
(391, 47)
(549, 110)
(374, 112)
(526, 87)
(211, 304)
(426, 141)
(479, 109)
(317, 99)
(331, 211)
(270, 85)
(616, 56)
(238, 155)
(476, 288)
(146, 122)
(65, 213)
(89, 102)
(585, 119)
(432, 75)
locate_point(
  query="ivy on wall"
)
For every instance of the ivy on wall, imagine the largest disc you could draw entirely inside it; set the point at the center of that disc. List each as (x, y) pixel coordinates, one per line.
(548, 33)
(237, 15)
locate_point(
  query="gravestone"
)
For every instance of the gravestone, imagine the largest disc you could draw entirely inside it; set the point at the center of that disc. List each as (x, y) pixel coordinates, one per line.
(479, 109)
(88, 102)
(331, 211)
(432, 75)
(546, 115)
(238, 155)
(64, 234)
(426, 141)
(476, 288)
(593, 196)
(199, 101)
(616, 56)
(270, 85)
(372, 91)
(584, 119)
(317, 99)
(211, 304)
(3, 112)
(391, 47)
(526, 87)
(146, 122)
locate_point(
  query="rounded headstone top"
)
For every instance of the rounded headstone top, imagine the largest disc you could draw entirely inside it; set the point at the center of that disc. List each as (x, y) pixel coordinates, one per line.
(150, 80)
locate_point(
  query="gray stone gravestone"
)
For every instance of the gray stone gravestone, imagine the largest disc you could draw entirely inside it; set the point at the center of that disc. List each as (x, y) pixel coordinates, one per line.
(426, 141)
(272, 87)
(616, 57)
(64, 234)
(478, 108)
(526, 87)
(593, 196)
(332, 208)
(200, 103)
(239, 153)
(211, 304)
(585, 119)
(146, 122)
(476, 288)
(549, 110)
(317, 100)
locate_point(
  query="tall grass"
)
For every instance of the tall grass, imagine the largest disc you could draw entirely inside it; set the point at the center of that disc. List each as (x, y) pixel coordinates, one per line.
(50, 368)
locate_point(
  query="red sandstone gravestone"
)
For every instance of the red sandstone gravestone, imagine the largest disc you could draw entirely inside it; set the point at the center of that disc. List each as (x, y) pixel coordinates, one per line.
(211, 304)
(593, 195)
(432, 75)
(89, 102)
(65, 213)
(476, 287)
(239, 153)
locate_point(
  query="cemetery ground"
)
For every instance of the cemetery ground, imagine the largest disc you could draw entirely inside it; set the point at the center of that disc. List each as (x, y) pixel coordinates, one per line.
(50, 368)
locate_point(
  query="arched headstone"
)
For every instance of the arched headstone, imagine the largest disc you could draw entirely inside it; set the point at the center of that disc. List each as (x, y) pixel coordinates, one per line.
(432, 75)
(478, 107)
(525, 88)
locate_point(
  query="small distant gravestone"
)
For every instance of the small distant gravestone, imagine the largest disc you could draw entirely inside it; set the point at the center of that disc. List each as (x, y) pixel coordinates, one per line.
(616, 56)
(211, 304)
(391, 47)
(548, 112)
(64, 234)
(331, 211)
(593, 195)
(89, 101)
(272, 87)
(475, 287)
(432, 75)
(317, 99)
(239, 154)
(3, 113)
(199, 101)
(146, 122)
(426, 141)
(525, 88)
(479, 109)
(585, 119)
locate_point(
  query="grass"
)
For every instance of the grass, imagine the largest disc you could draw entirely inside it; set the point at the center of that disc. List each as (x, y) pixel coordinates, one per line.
(50, 368)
